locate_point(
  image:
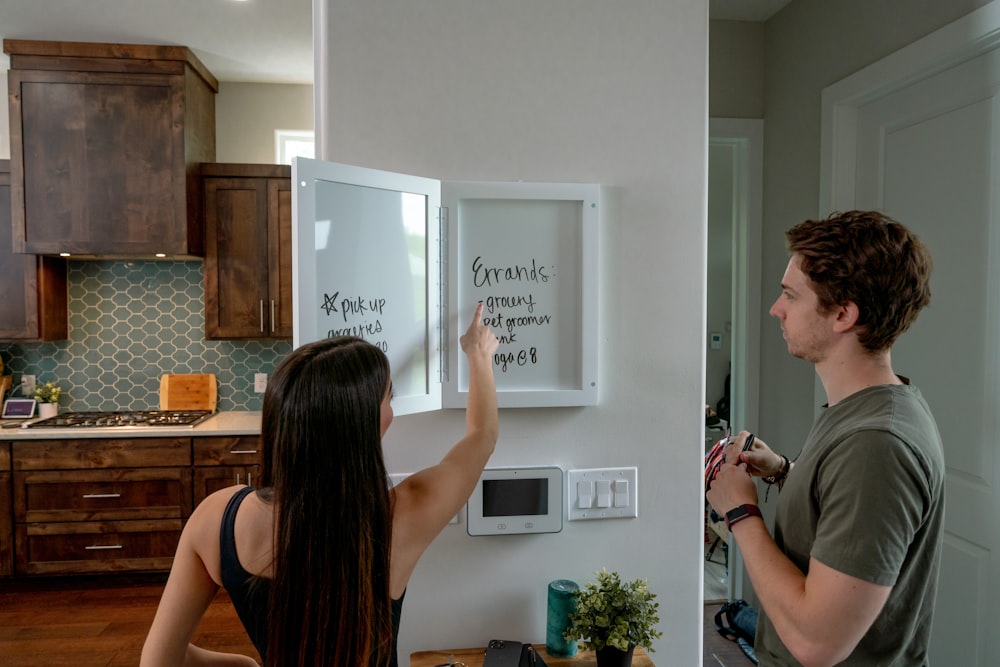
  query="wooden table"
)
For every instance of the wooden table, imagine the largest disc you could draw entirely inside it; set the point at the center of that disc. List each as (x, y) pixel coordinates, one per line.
(473, 657)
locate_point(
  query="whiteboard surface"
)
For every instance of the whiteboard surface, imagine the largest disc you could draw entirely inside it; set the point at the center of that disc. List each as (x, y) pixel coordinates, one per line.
(366, 263)
(528, 251)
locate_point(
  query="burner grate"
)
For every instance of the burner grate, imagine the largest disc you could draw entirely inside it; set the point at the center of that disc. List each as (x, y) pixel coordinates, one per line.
(125, 418)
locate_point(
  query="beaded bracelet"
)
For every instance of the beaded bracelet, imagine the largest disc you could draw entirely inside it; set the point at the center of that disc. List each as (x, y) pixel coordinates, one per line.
(778, 479)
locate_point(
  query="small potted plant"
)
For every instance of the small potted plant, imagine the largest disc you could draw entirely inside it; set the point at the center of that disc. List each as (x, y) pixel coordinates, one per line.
(612, 618)
(47, 396)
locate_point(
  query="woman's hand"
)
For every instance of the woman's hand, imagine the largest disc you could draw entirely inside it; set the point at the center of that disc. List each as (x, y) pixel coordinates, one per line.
(478, 340)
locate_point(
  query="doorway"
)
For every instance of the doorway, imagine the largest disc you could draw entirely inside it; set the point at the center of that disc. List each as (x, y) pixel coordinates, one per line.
(733, 314)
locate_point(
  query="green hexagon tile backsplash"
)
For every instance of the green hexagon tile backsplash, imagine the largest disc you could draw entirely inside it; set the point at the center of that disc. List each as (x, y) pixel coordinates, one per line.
(129, 323)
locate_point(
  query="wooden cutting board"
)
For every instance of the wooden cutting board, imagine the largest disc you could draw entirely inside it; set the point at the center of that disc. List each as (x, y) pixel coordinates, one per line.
(189, 391)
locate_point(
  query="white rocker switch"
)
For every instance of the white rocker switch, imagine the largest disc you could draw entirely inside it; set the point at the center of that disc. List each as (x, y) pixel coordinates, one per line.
(621, 492)
(603, 492)
(584, 494)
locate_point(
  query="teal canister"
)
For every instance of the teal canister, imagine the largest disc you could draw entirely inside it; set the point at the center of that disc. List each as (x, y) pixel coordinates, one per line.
(562, 603)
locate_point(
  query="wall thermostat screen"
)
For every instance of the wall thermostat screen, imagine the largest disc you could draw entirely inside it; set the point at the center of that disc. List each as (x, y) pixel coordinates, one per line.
(515, 497)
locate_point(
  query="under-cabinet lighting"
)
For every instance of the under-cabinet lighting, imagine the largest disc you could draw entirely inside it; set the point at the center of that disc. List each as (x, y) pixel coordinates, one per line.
(64, 254)
(163, 254)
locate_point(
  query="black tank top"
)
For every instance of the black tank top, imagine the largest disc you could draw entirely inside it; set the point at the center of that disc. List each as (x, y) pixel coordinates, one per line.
(250, 594)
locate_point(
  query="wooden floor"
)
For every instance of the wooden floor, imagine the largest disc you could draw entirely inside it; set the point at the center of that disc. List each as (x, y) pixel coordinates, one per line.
(102, 622)
(97, 622)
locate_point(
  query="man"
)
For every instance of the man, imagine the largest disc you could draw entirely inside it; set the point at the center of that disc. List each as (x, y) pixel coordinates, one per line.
(851, 574)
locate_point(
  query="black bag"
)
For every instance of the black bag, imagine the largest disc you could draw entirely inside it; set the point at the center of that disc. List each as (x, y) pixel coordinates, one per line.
(737, 621)
(505, 653)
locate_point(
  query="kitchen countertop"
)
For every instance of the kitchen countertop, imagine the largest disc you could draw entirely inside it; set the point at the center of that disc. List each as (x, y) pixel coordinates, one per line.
(219, 424)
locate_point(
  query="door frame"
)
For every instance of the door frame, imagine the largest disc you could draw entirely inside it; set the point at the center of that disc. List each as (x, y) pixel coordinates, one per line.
(746, 137)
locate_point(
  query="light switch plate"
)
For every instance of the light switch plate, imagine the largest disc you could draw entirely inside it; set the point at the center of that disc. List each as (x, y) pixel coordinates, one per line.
(614, 477)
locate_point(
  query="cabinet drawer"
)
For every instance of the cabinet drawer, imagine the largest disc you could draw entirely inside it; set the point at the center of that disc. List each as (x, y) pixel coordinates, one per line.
(112, 453)
(208, 480)
(237, 450)
(85, 547)
(91, 495)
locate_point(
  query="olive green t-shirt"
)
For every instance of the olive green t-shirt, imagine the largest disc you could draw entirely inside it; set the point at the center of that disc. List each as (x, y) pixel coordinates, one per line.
(866, 498)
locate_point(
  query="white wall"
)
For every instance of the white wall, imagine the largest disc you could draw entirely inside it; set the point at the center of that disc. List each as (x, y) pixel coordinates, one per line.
(575, 91)
(247, 114)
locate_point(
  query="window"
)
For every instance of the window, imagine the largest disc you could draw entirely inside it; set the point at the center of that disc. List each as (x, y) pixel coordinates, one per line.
(292, 143)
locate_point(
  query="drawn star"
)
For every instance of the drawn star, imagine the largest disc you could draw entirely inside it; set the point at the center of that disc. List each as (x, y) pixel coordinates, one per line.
(329, 303)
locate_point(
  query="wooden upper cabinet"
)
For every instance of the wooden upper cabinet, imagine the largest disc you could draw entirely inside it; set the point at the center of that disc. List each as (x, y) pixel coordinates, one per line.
(248, 251)
(32, 289)
(105, 142)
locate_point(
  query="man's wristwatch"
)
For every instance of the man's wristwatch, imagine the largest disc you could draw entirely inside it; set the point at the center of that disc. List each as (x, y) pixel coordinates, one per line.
(741, 512)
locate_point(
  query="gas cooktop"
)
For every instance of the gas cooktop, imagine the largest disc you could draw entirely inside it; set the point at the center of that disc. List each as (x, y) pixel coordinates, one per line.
(126, 418)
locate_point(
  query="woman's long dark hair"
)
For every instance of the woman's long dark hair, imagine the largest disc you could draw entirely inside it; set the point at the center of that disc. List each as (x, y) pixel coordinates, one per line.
(322, 461)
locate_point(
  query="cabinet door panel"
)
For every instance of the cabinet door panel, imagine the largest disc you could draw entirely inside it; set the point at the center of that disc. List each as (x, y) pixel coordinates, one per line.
(236, 258)
(6, 527)
(280, 259)
(100, 162)
(32, 289)
(209, 480)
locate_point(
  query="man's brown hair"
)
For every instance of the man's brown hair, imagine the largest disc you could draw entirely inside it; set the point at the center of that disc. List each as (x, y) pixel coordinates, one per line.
(872, 260)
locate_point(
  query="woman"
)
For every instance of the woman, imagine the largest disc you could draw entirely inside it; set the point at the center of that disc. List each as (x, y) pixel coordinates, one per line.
(317, 560)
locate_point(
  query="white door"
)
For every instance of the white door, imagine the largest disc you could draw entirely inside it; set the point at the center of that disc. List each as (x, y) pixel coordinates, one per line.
(927, 152)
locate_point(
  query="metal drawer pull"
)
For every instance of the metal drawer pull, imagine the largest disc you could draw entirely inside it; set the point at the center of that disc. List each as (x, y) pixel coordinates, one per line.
(102, 495)
(249, 479)
(242, 451)
(262, 315)
(237, 478)
(97, 547)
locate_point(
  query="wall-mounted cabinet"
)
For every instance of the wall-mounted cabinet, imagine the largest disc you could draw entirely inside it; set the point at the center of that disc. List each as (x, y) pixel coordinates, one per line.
(32, 288)
(105, 142)
(248, 251)
(402, 261)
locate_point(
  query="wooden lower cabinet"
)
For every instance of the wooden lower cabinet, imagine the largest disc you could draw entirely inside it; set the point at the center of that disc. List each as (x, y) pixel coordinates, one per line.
(224, 461)
(88, 506)
(92, 505)
(209, 480)
(6, 514)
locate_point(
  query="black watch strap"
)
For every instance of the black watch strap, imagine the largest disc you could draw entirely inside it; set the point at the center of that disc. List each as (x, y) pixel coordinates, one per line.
(741, 512)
